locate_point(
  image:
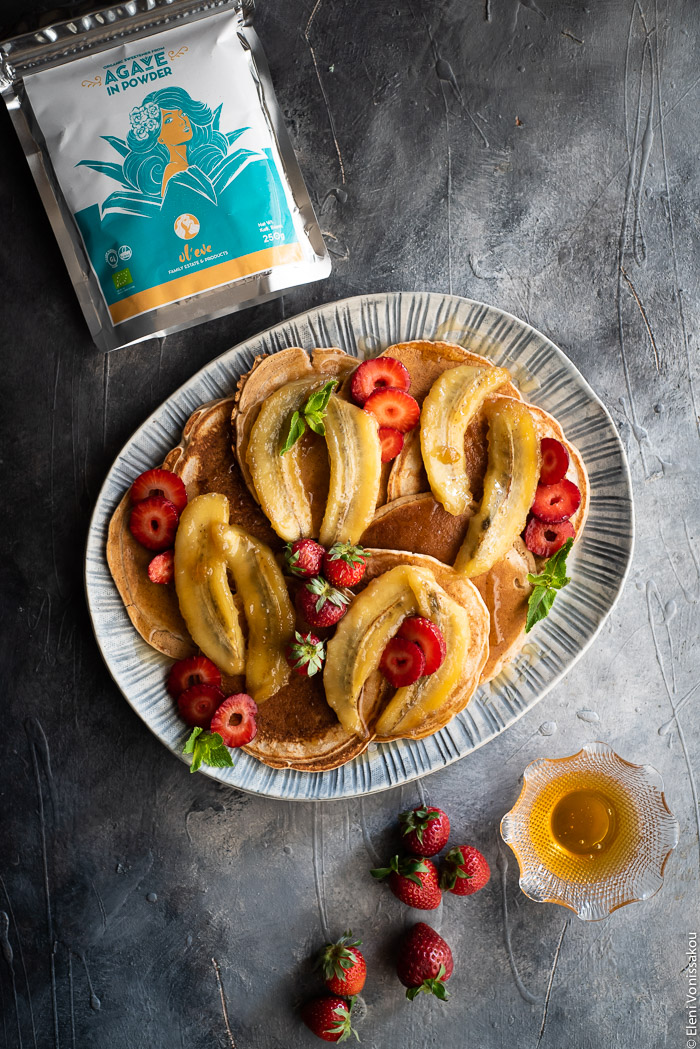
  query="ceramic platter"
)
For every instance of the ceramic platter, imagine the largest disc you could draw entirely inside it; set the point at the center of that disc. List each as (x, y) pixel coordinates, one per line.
(364, 326)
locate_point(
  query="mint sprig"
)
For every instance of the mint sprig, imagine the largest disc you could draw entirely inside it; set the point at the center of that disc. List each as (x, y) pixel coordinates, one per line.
(207, 748)
(311, 415)
(552, 578)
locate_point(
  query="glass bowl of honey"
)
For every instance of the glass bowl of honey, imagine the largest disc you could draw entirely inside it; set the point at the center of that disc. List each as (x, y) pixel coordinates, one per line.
(592, 831)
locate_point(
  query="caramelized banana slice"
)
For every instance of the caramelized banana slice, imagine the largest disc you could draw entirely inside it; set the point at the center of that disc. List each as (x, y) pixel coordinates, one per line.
(454, 399)
(406, 713)
(509, 487)
(355, 649)
(268, 610)
(372, 619)
(277, 478)
(201, 583)
(355, 453)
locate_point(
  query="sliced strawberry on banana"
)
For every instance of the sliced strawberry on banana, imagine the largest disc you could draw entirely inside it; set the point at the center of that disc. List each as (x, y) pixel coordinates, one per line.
(554, 461)
(556, 502)
(161, 568)
(393, 408)
(197, 705)
(378, 374)
(163, 483)
(391, 442)
(153, 522)
(402, 662)
(235, 720)
(429, 638)
(543, 539)
(195, 670)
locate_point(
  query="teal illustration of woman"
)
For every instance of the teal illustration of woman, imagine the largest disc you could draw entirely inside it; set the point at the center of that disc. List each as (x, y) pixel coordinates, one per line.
(173, 139)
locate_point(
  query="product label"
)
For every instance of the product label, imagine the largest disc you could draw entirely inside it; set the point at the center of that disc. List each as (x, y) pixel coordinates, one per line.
(162, 152)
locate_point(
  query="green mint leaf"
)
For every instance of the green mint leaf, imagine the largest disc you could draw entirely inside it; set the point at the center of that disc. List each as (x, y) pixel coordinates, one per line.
(315, 422)
(318, 401)
(551, 579)
(207, 748)
(297, 427)
(190, 744)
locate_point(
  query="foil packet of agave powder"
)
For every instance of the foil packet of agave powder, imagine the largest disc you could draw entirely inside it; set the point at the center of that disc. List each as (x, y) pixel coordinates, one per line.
(158, 147)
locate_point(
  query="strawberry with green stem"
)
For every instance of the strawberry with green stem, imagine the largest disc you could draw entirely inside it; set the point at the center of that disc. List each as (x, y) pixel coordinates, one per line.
(414, 882)
(425, 830)
(343, 966)
(329, 1018)
(344, 564)
(306, 654)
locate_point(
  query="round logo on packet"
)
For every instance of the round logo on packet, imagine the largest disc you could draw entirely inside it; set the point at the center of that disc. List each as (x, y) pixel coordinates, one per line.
(125, 253)
(111, 258)
(186, 226)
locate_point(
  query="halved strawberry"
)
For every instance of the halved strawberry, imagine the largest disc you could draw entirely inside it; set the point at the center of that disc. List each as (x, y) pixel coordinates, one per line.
(197, 705)
(391, 441)
(556, 502)
(378, 374)
(196, 670)
(153, 522)
(161, 568)
(235, 720)
(402, 662)
(543, 539)
(393, 408)
(429, 639)
(555, 461)
(160, 482)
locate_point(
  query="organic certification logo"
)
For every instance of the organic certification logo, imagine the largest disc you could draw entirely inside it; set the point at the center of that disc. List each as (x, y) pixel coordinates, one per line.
(186, 226)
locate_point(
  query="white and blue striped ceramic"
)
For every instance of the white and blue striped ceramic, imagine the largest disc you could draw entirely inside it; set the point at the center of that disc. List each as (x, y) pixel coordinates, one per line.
(364, 326)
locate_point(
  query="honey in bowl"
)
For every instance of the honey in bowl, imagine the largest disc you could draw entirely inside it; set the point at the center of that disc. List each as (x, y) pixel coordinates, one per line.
(591, 831)
(583, 822)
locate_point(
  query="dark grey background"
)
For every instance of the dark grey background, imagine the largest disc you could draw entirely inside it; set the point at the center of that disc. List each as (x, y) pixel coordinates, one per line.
(541, 157)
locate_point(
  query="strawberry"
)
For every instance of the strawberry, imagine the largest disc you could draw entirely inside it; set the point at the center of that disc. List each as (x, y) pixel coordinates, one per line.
(378, 374)
(161, 568)
(555, 461)
(391, 442)
(402, 662)
(414, 882)
(544, 539)
(344, 564)
(428, 636)
(425, 830)
(320, 603)
(465, 872)
(305, 654)
(343, 966)
(304, 557)
(163, 483)
(556, 502)
(196, 670)
(153, 522)
(393, 408)
(235, 720)
(329, 1018)
(424, 962)
(198, 704)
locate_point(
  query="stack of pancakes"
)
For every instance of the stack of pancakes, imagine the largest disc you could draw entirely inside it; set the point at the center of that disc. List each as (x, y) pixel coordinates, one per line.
(296, 727)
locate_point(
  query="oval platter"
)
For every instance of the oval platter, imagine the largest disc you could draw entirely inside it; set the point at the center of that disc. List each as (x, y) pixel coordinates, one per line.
(364, 326)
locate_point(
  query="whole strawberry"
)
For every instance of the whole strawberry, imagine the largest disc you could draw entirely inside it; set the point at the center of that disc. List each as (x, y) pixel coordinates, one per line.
(425, 830)
(414, 882)
(345, 564)
(320, 603)
(343, 966)
(329, 1018)
(304, 557)
(305, 654)
(465, 872)
(424, 962)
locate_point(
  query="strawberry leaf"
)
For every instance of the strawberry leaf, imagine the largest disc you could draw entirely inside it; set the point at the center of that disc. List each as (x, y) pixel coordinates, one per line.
(297, 427)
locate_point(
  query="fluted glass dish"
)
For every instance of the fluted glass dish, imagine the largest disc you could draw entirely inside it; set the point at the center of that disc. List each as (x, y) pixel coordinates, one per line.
(622, 863)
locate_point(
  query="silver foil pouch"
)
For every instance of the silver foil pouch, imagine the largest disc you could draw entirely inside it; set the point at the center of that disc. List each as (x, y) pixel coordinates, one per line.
(158, 147)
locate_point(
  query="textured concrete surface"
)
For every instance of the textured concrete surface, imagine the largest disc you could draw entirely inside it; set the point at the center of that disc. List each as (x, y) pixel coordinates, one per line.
(538, 156)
